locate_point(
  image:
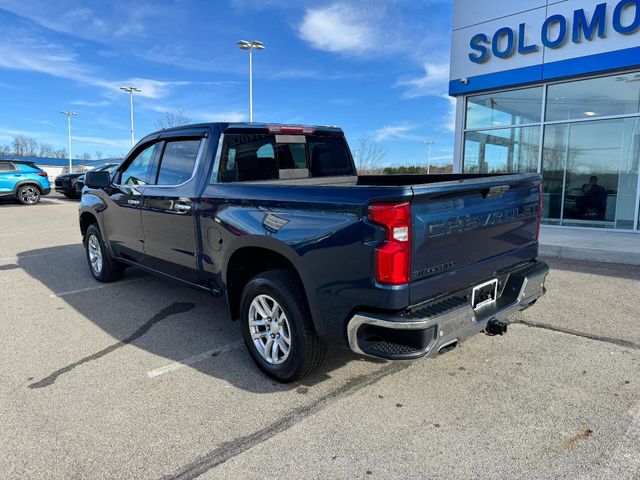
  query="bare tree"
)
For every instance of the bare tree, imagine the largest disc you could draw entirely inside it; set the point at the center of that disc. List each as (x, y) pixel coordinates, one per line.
(62, 153)
(98, 155)
(172, 119)
(368, 155)
(31, 146)
(85, 156)
(46, 150)
(5, 150)
(24, 146)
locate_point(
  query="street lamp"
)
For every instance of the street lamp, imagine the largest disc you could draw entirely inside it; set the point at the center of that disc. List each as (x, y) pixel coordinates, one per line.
(244, 45)
(131, 91)
(428, 143)
(69, 115)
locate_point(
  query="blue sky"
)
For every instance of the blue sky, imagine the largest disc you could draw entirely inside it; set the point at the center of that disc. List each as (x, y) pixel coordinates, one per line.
(370, 67)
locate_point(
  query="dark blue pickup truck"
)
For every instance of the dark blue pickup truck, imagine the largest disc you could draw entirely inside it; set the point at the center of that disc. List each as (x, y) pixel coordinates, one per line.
(306, 252)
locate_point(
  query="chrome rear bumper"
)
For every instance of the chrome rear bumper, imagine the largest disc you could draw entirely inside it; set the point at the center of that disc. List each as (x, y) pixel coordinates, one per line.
(427, 329)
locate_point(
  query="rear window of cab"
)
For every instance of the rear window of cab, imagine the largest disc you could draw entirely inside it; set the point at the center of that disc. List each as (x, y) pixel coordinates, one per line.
(251, 157)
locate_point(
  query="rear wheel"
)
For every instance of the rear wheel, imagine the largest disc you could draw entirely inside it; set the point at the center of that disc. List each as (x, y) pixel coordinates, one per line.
(277, 327)
(103, 267)
(28, 194)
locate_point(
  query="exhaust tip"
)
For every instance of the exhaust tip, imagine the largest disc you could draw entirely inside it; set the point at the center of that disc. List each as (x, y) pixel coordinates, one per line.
(447, 347)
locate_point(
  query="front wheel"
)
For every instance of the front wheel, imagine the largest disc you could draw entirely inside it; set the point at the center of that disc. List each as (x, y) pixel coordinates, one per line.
(277, 327)
(103, 267)
(28, 194)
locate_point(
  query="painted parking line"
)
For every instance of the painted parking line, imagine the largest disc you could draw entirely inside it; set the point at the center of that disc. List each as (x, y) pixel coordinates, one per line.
(172, 367)
(30, 233)
(20, 257)
(96, 287)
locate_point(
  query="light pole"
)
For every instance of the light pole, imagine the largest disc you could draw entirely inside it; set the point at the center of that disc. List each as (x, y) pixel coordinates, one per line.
(244, 45)
(69, 114)
(428, 143)
(131, 91)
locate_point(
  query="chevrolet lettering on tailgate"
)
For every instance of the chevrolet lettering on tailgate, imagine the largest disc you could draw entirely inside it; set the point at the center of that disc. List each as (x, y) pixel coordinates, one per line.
(465, 223)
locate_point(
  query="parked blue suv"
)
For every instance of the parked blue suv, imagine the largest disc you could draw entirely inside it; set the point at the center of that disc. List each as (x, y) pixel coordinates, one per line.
(23, 181)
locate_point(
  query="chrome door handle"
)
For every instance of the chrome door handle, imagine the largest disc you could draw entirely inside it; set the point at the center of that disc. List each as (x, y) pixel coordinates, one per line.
(133, 202)
(182, 207)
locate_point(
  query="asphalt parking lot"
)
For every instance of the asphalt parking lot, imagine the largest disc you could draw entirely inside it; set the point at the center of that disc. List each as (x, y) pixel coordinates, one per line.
(144, 378)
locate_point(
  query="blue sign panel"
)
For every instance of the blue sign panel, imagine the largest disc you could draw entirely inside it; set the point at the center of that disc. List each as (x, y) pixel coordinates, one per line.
(585, 39)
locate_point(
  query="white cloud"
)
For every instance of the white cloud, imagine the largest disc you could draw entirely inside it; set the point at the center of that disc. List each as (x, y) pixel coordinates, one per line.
(88, 103)
(22, 50)
(371, 28)
(450, 123)
(150, 88)
(338, 28)
(434, 82)
(401, 131)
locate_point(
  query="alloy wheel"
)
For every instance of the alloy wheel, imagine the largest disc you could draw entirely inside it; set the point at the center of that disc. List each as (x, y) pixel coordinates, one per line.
(29, 195)
(95, 254)
(269, 329)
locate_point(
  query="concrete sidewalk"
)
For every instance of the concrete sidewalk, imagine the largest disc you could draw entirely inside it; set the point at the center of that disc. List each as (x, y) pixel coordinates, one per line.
(593, 245)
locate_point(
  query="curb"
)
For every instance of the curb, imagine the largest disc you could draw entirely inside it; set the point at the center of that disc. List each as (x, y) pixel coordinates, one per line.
(591, 254)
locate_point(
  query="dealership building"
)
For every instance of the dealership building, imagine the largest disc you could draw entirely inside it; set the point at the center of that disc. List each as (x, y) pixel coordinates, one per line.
(553, 87)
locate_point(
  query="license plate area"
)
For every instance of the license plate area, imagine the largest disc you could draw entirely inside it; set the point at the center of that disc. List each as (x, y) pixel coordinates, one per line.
(484, 294)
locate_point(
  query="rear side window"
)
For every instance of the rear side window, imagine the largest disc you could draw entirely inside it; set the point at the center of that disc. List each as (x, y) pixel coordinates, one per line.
(329, 157)
(250, 157)
(7, 167)
(178, 162)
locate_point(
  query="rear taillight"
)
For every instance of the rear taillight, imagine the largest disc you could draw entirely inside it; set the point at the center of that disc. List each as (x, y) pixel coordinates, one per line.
(539, 212)
(393, 257)
(42, 174)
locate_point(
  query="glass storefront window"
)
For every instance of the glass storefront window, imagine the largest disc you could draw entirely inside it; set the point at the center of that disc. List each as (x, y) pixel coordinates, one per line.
(594, 97)
(590, 165)
(502, 150)
(515, 107)
(590, 172)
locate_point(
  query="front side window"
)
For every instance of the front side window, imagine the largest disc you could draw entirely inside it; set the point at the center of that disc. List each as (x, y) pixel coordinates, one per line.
(178, 162)
(137, 172)
(7, 167)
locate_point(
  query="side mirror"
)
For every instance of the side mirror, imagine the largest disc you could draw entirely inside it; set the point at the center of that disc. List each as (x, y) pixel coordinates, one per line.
(97, 179)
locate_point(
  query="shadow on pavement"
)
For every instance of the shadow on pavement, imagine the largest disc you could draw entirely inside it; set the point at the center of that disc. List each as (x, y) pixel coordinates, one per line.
(156, 315)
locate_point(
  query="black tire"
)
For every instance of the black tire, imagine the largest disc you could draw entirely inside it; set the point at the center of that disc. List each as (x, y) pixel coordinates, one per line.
(72, 196)
(28, 194)
(307, 350)
(111, 269)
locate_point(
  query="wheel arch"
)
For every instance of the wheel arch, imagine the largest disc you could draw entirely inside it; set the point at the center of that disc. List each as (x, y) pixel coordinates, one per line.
(27, 182)
(86, 219)
(247, 262)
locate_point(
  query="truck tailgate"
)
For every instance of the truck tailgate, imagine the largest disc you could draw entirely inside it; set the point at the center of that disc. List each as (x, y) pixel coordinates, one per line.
(463, 232)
